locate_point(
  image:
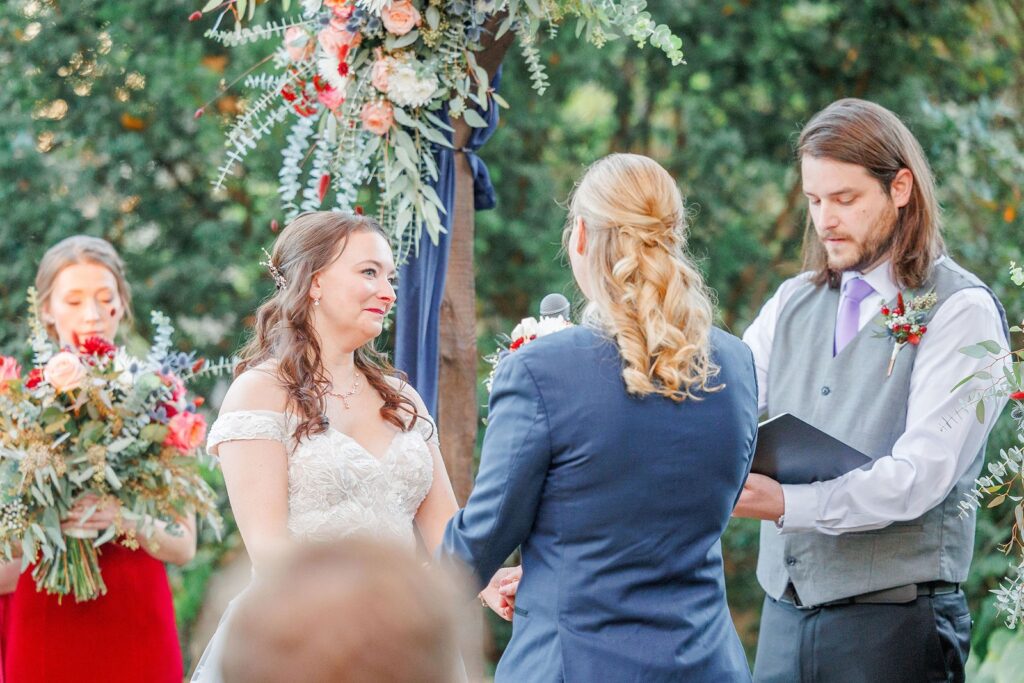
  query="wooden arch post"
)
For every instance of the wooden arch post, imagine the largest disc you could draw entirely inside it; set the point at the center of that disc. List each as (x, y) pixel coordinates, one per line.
(457, 401)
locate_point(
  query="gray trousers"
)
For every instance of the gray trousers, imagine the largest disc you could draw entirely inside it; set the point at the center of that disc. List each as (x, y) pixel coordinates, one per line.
(921, 641)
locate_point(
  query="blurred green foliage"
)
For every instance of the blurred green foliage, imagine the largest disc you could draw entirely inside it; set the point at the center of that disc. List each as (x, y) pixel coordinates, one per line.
(97, 135)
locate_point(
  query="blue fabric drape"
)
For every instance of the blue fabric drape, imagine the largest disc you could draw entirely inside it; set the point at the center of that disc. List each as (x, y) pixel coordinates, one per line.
(421, 280)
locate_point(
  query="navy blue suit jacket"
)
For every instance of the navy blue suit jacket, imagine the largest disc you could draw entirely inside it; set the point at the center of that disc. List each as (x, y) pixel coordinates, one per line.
(619, 504)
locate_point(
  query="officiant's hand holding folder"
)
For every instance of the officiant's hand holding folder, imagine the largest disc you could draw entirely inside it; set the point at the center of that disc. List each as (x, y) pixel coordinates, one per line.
(790, 451)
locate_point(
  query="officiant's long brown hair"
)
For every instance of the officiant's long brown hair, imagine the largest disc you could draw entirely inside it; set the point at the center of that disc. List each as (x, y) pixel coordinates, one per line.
(859, 132)
(284, 323)
(646, 291)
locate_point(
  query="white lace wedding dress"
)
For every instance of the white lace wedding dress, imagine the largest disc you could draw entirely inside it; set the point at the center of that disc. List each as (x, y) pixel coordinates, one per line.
(335, 488)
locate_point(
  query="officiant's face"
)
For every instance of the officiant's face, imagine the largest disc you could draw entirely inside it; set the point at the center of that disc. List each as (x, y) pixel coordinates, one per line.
(852, 213)
(85, 302)
(356, 290)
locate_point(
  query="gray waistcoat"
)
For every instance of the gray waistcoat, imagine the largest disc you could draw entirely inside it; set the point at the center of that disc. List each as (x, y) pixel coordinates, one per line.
(851, 398)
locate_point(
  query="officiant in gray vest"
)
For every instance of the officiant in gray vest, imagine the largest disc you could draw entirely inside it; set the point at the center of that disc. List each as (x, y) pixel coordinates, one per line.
(863, 572)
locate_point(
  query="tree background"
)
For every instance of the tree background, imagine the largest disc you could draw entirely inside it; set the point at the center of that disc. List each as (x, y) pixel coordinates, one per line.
(98, 135)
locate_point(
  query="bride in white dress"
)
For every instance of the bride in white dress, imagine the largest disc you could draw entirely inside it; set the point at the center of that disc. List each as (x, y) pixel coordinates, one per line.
(315, 439)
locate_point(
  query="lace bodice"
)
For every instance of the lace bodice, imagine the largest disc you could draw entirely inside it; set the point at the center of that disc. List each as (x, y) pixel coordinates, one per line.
(335, 486)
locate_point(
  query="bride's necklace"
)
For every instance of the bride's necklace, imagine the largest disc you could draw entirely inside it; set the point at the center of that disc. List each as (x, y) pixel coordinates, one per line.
(351, 392)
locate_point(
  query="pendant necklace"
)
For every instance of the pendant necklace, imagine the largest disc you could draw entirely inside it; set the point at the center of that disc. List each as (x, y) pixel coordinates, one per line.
(351, 392)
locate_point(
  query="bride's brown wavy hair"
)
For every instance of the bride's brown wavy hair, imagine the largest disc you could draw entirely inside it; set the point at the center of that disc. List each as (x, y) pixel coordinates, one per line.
(284, 324)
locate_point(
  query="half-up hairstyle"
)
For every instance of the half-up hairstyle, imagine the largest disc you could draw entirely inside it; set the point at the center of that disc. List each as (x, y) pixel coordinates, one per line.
(284, 323)
(863, 133)
(645, 290)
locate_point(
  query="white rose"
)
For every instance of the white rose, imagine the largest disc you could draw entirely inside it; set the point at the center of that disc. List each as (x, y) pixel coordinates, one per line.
(526, 328)
(549, 324)
(407, 89)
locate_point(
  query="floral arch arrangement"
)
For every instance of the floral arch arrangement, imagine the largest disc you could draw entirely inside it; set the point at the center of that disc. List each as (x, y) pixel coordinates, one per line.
(369, 88)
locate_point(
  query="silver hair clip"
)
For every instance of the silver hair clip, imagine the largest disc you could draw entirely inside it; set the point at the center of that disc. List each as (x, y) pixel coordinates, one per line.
(275, 272)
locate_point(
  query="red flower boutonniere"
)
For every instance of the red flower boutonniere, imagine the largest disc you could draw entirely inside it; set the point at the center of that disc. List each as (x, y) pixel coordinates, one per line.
(905, 324)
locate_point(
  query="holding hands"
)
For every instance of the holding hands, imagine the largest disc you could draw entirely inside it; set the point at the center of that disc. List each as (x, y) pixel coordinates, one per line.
(500, 593)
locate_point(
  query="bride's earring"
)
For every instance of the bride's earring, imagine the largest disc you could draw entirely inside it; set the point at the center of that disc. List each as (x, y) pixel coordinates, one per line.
(316, 301)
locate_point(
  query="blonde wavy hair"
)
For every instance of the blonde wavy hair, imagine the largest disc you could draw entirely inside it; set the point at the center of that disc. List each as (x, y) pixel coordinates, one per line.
(644, 290)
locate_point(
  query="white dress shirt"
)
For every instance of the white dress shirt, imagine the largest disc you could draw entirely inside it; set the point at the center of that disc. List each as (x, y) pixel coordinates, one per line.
(942, 436)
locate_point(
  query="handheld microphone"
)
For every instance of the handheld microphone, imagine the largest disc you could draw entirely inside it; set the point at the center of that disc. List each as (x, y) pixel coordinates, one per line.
(554, 305)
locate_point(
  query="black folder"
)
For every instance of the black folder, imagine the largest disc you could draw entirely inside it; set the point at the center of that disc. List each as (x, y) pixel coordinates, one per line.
(790, 451)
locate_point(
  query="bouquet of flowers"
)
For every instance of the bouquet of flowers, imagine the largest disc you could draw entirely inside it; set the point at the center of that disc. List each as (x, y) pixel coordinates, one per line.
(96, 420)
(525, 332)
(367, 84)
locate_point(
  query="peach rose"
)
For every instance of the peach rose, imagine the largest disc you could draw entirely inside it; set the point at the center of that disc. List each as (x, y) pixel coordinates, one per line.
(297, 43)
(186, 431)
(379, 75)
(9, 369)
(400, 17)
(332, 98)
(64, 371)
(336, 42)
(377, 116)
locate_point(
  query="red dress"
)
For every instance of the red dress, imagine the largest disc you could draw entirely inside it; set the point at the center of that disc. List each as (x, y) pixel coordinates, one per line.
(127, 635)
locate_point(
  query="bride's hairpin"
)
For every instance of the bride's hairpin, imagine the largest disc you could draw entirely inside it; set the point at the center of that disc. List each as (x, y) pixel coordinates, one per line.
(275, 272)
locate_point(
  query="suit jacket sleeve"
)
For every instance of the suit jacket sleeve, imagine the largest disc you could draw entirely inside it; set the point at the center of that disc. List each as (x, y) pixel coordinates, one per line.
(513, 466)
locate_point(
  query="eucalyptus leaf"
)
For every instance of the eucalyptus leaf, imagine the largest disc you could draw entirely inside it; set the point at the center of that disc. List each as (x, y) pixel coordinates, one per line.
(433, 17)
(979, 411)
(403, 117)
(107, 535)
(473, 119)
(438, 122)
(434, 135)
(974, 351)
(398, 42)
(990, 346)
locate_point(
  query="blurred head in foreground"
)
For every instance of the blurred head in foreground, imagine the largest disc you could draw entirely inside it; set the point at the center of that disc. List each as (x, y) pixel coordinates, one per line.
(353, 611)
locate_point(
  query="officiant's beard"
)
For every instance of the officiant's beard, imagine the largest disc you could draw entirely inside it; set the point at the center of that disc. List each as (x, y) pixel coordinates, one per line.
(875, 247)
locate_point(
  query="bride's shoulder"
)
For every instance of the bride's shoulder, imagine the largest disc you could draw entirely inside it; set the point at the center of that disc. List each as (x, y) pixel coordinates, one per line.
(258, 388)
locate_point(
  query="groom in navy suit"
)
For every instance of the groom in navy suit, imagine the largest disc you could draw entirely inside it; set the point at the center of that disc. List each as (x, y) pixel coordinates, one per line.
(617, 499)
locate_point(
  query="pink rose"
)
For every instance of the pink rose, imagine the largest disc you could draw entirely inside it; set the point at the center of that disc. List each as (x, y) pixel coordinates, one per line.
(332, 98)
(64, 371)
(377, 116)
(379, 75)
(336, 42)
(9, 370)
(297, 43)
(186, 431)
(400, 17)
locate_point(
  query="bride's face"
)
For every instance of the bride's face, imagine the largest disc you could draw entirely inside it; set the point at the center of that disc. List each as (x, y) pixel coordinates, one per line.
(356, 291)
(85, 302)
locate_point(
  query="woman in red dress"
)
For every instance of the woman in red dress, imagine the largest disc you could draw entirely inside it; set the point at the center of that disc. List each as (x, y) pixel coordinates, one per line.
(129, 634)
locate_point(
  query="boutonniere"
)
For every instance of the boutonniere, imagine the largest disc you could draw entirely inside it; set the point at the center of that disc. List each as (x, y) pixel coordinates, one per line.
(905, 324)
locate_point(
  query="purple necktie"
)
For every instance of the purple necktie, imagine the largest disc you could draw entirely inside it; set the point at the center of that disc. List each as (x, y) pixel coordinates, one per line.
(848, 321)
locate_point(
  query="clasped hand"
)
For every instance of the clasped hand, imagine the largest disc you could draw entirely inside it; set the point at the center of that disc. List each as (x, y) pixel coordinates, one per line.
(500, 592)
(761, 498)
(105, 513)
